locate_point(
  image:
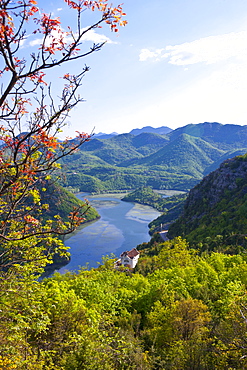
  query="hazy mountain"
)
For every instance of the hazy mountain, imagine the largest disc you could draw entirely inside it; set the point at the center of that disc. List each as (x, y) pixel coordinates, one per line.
(92, 145)
(147, 129)
(101, 135)
(159, 130)
(224, 136)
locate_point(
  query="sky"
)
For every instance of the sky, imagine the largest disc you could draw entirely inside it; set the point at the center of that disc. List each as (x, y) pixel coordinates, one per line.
(176, 62)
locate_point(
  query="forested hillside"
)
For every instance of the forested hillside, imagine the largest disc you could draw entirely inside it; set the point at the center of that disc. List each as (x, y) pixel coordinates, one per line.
(178, 311)
(147, 196)
(222, 136)
(61, 202)
(214, 214)
(166, 204)
(177, 160)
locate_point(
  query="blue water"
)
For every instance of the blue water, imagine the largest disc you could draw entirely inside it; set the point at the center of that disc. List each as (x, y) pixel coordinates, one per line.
(121, 227)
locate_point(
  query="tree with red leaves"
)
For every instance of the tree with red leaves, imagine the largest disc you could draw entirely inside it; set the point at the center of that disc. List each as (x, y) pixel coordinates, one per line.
(30, 119)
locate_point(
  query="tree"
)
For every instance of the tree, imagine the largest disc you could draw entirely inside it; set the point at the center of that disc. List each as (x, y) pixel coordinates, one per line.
(30, 151)
(30, 119)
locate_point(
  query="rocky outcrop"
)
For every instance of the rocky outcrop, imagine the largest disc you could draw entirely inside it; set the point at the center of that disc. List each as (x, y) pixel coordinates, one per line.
(217, 203)
(213, 186)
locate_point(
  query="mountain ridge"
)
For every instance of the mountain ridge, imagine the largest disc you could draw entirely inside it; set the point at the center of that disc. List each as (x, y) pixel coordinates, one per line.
(176, 160)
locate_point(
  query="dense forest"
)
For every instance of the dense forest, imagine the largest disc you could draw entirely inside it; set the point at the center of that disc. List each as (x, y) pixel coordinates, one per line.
(147, 196)
(62, 202)
(178, 310)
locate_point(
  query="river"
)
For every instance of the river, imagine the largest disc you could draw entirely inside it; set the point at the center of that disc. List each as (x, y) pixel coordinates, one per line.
(122, 226)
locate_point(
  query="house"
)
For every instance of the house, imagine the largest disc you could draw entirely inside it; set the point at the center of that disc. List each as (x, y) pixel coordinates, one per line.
(129, 258)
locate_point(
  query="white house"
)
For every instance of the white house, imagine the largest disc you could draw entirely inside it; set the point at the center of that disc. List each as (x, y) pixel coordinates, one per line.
(129, 258)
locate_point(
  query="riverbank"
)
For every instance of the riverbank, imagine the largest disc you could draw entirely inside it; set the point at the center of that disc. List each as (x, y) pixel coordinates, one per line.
(121, 227)
(147, 196)
(108, 201)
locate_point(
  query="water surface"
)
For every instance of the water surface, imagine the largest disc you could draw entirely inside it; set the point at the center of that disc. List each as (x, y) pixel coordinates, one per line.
(122, 226)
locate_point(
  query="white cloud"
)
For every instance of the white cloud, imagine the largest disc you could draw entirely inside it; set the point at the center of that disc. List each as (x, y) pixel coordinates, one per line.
(96, 37)
(207, 50)
(218, 96)
(91, 36)
(147, 54)
(35, 42)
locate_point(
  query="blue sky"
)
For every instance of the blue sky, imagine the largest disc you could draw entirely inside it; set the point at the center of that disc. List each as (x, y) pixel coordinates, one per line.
(176, 62)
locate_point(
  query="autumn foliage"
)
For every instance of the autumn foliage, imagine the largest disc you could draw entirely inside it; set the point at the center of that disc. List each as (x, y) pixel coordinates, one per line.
(31, 118)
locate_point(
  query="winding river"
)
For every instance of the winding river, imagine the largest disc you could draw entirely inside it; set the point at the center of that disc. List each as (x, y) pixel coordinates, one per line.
(122, 226)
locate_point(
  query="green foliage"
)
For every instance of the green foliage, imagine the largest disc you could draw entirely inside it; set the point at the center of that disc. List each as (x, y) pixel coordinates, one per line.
(174, 207)
(62, 202)
(103, 178)
(182, 308)
(183, 313)
(147, 196)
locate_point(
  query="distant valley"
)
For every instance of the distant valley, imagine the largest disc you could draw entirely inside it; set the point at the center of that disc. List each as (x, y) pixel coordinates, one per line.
(160, 158)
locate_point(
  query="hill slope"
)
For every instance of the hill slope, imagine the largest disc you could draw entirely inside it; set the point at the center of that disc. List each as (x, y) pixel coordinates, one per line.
(215, 212)
(62, 202)
(188, 154)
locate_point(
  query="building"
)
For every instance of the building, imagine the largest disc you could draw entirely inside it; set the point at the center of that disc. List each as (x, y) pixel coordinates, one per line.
(129, 258)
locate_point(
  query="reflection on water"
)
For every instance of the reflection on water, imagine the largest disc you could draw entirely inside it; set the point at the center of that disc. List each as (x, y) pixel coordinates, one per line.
(141, 213)
(99, 203)
(122, 226)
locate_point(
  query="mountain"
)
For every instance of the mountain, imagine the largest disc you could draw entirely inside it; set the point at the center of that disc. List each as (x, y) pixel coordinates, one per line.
(177, 160)
(101, 135)
(215, 212)
(122, 147)
(145, 144)
(224, 136)
(159, 130)
(224, 157)
(117, 149)
(163, 130)
(189, 154)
